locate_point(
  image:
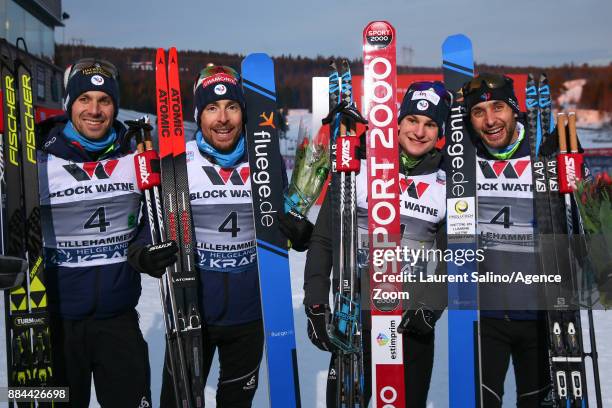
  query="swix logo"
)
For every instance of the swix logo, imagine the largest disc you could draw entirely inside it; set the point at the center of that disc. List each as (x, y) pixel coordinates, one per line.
(486, 96)
(267, 120)
(221, 177)
(415, 190)
(90, 170)
(142, 169)
(570, 170)
(503, 167)
(346, 152)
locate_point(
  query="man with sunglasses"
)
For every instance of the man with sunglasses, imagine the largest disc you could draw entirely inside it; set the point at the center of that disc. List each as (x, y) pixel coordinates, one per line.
(226, 258)
(90, 205)
(422, 118)
(510, 323)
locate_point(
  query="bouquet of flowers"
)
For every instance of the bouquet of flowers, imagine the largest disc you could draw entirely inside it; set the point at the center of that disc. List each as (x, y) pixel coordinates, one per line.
(310, 171)
(593, 197)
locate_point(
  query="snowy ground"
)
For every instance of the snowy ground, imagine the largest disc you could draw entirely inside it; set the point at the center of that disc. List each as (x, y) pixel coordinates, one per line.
(313, 363)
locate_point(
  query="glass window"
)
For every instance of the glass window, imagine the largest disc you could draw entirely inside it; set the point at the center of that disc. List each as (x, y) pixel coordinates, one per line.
(3, 18)
(33, 34)
(55, 87)
(41, 82)
(15, 21)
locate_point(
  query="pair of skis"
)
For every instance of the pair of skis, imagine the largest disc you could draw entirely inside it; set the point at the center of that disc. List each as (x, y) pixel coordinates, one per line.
(555, 219)
(179, 288)
(345, 328)
(27, 320)
(172, 221)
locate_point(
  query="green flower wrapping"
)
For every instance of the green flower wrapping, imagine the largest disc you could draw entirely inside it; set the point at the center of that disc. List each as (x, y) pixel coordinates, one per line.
(593, 199)
(309, 173)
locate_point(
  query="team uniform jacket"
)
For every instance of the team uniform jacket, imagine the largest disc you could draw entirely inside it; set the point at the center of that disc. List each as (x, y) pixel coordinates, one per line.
(90, 211)
(225, 239)
(505, 230)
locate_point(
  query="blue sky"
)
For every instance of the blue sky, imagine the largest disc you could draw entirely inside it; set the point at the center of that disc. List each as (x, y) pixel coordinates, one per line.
(513, 32)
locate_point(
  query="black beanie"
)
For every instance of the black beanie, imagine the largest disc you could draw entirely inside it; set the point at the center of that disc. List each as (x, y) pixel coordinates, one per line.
(216, 83)
(92, 78)
(491, 87)
(429, 99)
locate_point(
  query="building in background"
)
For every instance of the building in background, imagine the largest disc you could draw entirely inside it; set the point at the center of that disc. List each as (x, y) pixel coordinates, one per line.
(35, 21)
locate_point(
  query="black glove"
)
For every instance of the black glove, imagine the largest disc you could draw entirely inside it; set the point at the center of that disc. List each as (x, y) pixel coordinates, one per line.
(12, 271)
(318, 318)
(419, 321)
(154, 259)
(296, 228)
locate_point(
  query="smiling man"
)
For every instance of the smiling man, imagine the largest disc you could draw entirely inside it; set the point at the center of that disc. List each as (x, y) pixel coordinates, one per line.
(421, 120)
(90, 205)
(510, 324)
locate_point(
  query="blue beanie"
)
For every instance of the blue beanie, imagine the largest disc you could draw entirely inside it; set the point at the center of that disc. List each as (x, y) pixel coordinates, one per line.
(95, 77)
(216, 83)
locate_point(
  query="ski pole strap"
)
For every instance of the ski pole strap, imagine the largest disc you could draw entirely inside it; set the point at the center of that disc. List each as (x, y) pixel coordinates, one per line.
(148, 173)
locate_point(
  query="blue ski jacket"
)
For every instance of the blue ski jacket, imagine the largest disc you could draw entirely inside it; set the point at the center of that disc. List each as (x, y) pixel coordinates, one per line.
(86, 268)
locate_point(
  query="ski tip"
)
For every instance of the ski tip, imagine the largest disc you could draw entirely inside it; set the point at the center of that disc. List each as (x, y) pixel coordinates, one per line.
(258, 68)
(378, 35)
(377, 28)
(457, 41)
(160, 57)
(457, 54)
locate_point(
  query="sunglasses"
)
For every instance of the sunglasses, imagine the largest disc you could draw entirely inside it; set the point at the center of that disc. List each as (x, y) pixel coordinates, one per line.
(89, 66)
(215, 70)
(491, 81)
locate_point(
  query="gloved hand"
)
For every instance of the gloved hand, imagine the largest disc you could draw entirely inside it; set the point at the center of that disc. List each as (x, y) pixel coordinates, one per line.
(419, 321)
(154, 259)
(12, 271)
(296, 228)
(318, 318)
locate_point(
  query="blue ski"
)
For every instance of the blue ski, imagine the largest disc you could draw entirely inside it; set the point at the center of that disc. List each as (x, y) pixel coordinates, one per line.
(461, 215)
(272, 253)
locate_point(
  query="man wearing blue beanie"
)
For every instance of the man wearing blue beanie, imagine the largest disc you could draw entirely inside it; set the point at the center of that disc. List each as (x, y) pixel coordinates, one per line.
(226, 257)
(90, 206)
(423, 114)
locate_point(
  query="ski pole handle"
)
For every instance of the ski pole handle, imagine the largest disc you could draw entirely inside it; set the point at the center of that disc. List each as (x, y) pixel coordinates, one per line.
(561, 132)
(572, 132)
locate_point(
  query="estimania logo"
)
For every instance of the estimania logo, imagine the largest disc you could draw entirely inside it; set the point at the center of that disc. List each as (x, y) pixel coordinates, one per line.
(382, 339)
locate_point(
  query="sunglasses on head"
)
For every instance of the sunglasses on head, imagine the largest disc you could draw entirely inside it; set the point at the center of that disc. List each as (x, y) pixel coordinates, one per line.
(491, 81)
(90, 66)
